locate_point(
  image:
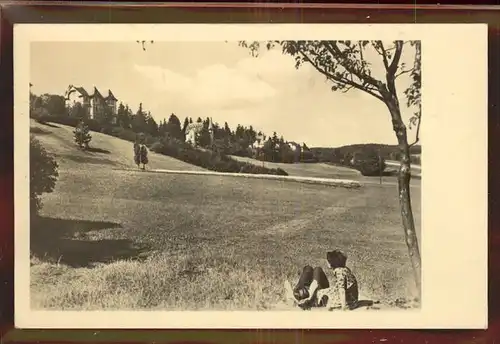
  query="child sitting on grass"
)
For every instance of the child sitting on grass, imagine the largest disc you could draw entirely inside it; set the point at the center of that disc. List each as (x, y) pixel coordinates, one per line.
(314, 290)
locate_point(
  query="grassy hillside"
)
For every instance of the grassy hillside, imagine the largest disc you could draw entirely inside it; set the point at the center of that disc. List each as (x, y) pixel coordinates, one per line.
(106, 150)
(117, 239)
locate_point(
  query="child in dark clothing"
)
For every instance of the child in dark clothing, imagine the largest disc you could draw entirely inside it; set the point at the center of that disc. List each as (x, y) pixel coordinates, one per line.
(314, 290)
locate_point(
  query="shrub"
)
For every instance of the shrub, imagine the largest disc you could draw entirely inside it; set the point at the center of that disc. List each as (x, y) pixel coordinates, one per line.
(65, 120)
(415, 159)
(127, 135)
(157, 147)
(107, 130)
(150, 140)
(39, 114)
(281, 172)
(370, 166)
(94, 125)
(215, 161)
(43, 174)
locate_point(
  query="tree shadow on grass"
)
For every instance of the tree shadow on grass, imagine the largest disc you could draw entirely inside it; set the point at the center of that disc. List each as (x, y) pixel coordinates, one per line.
(89, 159)
(98, 150)
(64, 241)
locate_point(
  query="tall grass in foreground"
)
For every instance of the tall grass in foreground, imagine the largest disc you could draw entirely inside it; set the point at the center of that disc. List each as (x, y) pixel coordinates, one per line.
(170, 283)
(161, 281)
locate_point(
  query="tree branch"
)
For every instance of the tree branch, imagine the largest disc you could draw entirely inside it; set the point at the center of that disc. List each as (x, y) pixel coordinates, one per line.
(347, 89)
(333, 49)
(404, 72)
(397, 56)
(360, 55)
(417, 135)
(339, 79)
(384, 55)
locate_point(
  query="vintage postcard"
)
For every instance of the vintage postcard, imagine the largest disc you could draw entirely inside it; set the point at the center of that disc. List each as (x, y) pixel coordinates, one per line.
(251, 176)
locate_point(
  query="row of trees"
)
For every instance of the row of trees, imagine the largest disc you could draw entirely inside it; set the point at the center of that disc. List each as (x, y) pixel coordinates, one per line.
(243, 141)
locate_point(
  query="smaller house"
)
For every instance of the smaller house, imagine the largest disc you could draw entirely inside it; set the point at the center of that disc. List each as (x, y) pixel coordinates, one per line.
(194, 129)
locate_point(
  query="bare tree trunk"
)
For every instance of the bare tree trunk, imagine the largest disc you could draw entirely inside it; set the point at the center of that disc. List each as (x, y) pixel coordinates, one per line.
(404, 177)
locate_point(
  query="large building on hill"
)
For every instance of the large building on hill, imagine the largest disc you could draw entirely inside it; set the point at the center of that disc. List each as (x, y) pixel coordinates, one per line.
(94, 104)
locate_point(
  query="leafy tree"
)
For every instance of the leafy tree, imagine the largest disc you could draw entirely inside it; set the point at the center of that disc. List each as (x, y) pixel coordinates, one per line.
(204, 139)
(251, 136)
(107, 117)
(344, 65)
(35, 101)
(162, 128)
(184, 126)
(268, 150)
(123, 116)
(368, 162)
(173, 127)
(139, 123)
(43, 174)
(286, 154)
(78, 111)
(55, 104)
(227, 129)
(151, 125)
(82, 135)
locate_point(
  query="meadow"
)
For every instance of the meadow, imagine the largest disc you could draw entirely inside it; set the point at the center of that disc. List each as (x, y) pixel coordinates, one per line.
(112, 238)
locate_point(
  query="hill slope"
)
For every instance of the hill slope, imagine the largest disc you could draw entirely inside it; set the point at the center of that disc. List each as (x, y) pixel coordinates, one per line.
(119, 154)
(107, 150)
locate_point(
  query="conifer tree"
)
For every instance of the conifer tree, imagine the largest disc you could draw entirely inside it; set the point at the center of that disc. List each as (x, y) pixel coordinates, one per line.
(82, 135)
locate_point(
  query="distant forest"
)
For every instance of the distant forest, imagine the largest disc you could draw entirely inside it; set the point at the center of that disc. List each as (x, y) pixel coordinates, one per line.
(343, 154)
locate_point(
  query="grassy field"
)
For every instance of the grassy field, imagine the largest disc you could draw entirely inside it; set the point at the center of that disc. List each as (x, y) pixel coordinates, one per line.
(317, 170)
(117, 239)
(324, 170)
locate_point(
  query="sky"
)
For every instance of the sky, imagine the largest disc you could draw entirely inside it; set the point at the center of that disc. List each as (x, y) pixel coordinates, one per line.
(223, 81)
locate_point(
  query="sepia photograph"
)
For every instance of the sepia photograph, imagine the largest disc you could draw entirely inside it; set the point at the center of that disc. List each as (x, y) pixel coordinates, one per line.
(227, 175)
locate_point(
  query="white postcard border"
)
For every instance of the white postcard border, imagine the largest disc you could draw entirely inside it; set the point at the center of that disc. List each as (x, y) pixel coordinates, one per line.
(454, 183)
